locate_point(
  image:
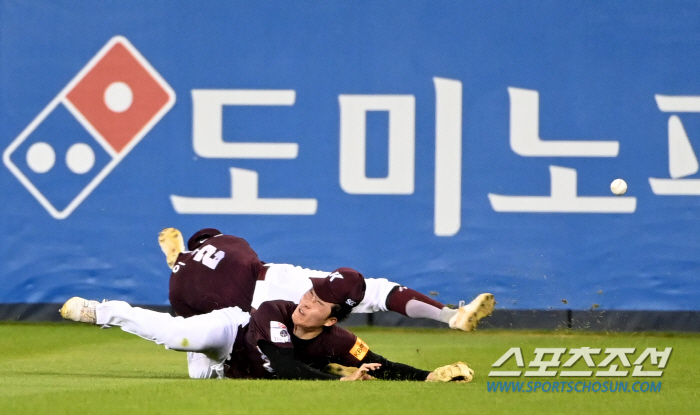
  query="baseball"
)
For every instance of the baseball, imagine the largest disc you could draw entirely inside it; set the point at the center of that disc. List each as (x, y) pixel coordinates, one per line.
(618, 187)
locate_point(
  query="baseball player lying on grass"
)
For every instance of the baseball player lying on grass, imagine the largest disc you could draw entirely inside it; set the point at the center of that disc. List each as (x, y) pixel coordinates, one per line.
(281, 340)
(220, 271)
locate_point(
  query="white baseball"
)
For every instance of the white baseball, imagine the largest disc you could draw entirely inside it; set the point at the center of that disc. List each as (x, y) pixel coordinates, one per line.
(618, 187)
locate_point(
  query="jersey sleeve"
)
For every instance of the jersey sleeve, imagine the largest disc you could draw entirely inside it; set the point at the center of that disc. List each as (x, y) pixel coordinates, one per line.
(269, 324)
(392, 370)
(347, 348)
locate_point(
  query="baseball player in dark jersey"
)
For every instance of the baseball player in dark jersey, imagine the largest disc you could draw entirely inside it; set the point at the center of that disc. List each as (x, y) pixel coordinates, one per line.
(219, 271)
(281, 340)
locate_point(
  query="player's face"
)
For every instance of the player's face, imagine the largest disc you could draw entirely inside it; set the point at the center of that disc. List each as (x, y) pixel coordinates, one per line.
(311, 312)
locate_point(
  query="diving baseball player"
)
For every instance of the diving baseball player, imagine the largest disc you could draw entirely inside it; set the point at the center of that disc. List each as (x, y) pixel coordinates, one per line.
(281, 340)
(220, 271)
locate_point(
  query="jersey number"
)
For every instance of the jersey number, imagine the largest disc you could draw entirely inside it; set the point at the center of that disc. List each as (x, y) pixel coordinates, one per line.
(209, 256)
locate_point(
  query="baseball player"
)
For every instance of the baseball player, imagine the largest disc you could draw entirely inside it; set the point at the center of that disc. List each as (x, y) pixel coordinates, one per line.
(281, 340)
(219, 271)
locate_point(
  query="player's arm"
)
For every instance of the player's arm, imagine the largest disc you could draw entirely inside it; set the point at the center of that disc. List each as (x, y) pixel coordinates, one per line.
(360, 354)
(287, 367)
(393, 371)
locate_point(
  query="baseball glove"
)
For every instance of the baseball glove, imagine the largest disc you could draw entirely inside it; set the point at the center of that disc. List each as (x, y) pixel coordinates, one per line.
(456, 372)
(340, 370)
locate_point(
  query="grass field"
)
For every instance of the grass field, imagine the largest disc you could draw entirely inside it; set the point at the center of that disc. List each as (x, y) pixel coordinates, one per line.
(67, 368)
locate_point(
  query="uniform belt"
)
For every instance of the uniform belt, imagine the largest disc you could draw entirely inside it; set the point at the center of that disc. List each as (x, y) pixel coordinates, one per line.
(262, 273)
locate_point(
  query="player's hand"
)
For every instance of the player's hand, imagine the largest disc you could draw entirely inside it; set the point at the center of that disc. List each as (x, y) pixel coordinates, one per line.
(361, 372)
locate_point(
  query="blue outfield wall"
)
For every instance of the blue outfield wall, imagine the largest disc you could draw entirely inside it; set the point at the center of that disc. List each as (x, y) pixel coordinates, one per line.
(454, 147)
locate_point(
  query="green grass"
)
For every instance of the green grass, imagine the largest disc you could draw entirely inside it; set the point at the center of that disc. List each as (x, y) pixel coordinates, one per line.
(79, 369)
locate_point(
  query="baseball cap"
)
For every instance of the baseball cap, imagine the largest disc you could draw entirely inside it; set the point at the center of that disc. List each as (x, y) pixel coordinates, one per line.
(196, 240)
(344, 286)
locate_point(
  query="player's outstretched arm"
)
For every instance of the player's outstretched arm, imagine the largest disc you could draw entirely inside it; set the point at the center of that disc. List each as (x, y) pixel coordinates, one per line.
(393, 371)
(457, 372)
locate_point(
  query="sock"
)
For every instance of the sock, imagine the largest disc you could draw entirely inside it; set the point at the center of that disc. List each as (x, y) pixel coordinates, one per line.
(446, 314)
(413, 304)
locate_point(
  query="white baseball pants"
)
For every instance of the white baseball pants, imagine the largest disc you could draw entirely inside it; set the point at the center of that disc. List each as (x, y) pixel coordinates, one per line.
(207, 338)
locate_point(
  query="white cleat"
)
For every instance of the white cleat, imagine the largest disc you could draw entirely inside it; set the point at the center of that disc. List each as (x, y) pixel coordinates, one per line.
(468, 317)
(172, 244)
(79, 309)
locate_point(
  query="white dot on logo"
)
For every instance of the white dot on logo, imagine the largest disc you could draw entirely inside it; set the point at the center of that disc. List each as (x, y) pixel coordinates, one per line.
(118, 97)
(41, 157)
(80, 158)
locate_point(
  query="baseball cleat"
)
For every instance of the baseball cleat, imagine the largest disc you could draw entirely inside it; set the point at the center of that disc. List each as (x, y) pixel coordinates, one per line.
(171, 243)
(79, 309)
(468, 317)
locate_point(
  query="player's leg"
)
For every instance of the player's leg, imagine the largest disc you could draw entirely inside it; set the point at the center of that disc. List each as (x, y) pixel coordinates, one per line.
(377, 292)
(413, 304)
(211, 335)
(383, 295)
(289, 282)
(172, 244)
(284, 282)
(200, 366)
(467, 317)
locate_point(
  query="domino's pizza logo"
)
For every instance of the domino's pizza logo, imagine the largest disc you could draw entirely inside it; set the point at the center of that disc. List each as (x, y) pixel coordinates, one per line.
(89, 127)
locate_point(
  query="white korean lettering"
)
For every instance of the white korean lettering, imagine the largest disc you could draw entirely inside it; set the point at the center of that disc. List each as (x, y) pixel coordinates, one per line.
(653, 356)
(244, 200)
(353, 143)
(620, 353)
(207, 140)
(448, 156)
(682, 161)
(207, 123)
(525, 132)
(525, 141)
(539, 361)
(577, 354)
(563, 198)
(513, 351)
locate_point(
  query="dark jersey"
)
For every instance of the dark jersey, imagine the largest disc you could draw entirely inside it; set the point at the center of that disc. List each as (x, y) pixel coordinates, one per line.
(219, 271)
(272, 323)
